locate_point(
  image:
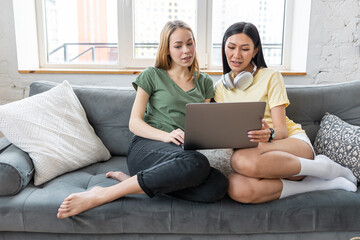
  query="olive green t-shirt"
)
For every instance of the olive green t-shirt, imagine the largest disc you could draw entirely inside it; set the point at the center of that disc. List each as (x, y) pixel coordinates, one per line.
(166, 106)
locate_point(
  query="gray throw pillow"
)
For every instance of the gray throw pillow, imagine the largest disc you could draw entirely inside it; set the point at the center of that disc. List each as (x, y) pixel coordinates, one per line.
(16, 170)
(340, 141)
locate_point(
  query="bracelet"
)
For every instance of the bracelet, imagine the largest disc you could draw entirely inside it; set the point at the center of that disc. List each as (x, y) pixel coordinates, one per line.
(272, 134)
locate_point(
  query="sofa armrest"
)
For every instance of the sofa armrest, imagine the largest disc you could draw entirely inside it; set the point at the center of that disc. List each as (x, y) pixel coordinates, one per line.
(16, 168)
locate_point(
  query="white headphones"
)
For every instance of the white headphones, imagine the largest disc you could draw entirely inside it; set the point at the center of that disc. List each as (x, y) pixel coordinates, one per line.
(242, 81)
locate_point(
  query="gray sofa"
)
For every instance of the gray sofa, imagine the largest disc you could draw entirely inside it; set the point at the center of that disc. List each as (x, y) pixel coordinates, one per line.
(31, 213)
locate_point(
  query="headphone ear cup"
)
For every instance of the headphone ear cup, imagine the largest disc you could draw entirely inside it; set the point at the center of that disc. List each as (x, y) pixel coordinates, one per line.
(243, 80)
(227, 81)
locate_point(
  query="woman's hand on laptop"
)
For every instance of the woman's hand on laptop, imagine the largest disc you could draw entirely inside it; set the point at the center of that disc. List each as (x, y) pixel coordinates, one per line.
(260, 135)
(176, 136)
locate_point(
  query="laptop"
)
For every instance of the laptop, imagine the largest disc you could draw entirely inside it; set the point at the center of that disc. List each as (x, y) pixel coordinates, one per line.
(221, 125)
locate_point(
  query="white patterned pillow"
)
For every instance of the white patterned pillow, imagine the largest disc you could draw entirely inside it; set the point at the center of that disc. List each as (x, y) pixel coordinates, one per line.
(340, 141)
(52, 127)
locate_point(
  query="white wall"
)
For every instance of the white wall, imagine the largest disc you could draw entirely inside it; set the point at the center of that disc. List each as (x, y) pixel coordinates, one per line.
(334, 43)
(333, 53)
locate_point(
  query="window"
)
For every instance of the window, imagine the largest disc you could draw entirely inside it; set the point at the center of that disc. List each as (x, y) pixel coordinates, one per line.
(125, 33)
(150, 17)
(267, 15)
(80, 31)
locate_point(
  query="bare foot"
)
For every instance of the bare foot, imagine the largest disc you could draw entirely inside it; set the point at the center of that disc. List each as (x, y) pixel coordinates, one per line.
(79, 202)
(120, 176)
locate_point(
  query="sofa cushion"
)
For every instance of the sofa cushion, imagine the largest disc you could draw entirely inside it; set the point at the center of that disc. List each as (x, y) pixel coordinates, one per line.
(34, 210)
(107, 109)
(16, 170)
(340, 141)
(52, 127)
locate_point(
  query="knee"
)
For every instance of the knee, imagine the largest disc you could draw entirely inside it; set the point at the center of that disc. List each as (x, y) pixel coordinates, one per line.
(196, 165)
(241, 190)
(199, 161)
(247, 165)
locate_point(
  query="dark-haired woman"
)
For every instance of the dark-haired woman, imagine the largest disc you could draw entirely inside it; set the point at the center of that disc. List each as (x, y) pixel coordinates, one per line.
(276, 168)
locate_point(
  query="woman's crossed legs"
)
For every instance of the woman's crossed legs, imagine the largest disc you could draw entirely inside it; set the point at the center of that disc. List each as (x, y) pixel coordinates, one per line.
(274, 170)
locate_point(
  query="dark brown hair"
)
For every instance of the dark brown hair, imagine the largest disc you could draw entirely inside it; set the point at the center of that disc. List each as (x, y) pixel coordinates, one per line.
(251, 31)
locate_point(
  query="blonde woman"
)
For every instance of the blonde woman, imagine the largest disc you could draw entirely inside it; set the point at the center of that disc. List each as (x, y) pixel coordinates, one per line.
(156, 161)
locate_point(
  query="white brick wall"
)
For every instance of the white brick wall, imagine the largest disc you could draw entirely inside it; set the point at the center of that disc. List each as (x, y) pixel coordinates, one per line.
(339, 38)
(333, 54)
(334, 43)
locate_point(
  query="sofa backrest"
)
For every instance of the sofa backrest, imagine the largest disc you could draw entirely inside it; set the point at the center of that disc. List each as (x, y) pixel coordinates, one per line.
(309, 103)
(107, 109)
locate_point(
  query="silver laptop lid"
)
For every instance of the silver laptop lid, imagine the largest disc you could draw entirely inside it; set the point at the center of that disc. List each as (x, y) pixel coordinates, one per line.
(221, 125)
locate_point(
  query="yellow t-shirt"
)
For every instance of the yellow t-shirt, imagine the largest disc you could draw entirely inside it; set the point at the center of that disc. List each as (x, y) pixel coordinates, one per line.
(268, 86)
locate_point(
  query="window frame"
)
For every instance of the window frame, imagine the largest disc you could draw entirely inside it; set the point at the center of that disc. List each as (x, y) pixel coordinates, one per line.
(126, 37)
(41, 36)
(131, 62)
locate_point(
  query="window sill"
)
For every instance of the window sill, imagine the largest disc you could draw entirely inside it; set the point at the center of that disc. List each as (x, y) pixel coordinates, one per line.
(128, 71)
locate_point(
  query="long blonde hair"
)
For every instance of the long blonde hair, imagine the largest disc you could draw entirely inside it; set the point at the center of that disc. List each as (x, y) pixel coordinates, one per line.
(163, 59)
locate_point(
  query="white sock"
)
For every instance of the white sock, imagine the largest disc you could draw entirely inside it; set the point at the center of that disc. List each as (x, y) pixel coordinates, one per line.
(309, 184)
(324, 167)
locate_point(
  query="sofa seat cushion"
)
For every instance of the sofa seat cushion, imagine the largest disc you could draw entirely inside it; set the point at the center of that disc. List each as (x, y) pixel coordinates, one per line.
(35, 208)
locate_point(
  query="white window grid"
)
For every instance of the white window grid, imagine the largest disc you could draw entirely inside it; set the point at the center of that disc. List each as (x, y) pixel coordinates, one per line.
(126, 57)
